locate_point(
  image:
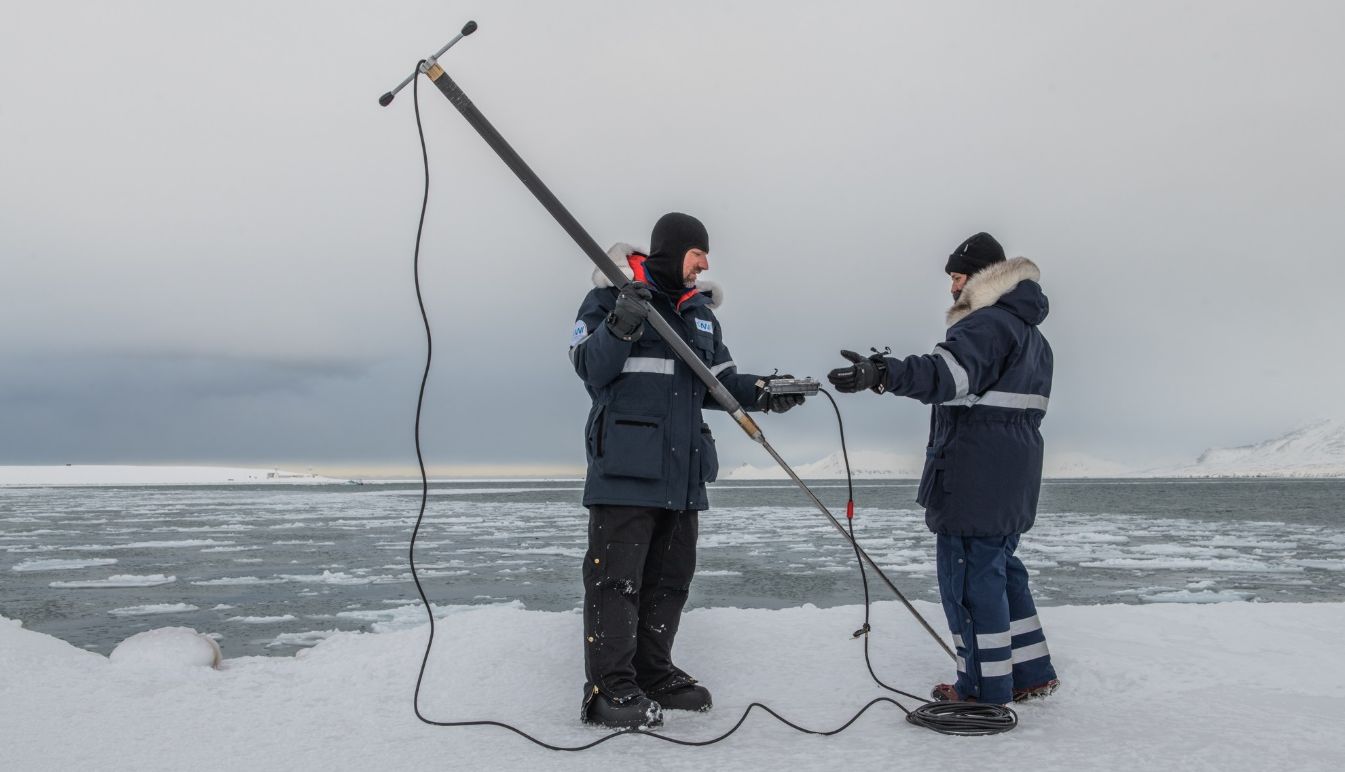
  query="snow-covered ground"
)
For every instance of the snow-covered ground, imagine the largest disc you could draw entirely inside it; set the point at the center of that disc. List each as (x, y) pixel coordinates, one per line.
(1232, 686)
(122, 474)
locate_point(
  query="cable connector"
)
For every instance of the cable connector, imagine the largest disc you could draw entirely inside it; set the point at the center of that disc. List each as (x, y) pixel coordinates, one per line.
(861, 632)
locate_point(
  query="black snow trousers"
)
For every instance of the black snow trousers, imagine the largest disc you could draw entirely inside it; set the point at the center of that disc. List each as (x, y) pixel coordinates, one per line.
(637, 573)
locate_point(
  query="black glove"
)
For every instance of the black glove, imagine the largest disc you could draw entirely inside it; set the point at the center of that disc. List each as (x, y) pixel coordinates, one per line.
(775, 403)
(865, 373)
(627, 319)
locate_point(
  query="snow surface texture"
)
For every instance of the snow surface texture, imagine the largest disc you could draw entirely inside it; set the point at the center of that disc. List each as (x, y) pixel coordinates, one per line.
(1220, 687)
(88, 474)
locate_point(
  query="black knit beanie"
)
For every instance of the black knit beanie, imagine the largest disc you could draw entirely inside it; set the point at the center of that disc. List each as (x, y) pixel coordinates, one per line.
(673, 235)
(974, 254)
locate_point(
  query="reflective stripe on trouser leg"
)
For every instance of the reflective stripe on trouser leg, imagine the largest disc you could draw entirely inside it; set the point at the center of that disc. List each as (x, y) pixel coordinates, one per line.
(973, 570)
(1031, 658)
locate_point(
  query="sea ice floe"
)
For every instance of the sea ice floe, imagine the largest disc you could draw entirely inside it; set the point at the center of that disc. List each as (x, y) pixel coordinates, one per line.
(565, 552)
(1325, 565)
(333, 577)
(153, 608)
(1264, 544)
(228, 581)
(1201, 596)
(308, 638)
(119, 580)
(1190, 564)
(59, 564)
(1094, 537)
(306, 542)
(262, 620)
(174, 544)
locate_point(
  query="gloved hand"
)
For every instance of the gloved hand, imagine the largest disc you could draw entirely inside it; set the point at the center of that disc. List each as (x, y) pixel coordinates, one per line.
(627, 319)
(775, 403)
(865, 373)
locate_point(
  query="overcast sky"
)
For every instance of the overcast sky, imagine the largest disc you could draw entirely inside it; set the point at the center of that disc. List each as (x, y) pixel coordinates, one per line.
(206, 221)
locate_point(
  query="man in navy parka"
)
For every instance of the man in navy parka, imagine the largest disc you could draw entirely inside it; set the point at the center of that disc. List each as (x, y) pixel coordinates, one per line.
(649, 458)
(989, 382)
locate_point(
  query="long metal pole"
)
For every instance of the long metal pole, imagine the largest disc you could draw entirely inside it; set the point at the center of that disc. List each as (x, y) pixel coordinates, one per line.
(605, 264)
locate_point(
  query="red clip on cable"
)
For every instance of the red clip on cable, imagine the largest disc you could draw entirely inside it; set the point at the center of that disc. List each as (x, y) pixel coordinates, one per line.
(850, 509)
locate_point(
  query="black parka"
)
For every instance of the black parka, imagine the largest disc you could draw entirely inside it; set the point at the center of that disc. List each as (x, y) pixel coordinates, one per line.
(645, 440)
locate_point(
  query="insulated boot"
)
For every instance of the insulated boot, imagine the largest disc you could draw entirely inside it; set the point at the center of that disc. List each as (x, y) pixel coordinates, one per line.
(1036, 692)
(685, 696)
(947, 693)
(634, 711)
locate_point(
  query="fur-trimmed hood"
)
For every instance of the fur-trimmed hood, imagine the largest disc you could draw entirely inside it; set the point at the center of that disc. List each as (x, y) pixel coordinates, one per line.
(621, 250)
(998, 280)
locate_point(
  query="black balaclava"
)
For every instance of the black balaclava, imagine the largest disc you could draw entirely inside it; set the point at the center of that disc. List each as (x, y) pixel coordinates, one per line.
(974, 254)
(673, 235)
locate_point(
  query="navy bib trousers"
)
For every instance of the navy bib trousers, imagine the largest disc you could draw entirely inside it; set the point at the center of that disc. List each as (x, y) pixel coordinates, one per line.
(1000, 644)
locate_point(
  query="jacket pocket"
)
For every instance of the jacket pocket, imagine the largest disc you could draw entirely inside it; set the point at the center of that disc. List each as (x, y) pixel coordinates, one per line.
(632, 446)
(933, 479)
(593, 437)
(709, 456)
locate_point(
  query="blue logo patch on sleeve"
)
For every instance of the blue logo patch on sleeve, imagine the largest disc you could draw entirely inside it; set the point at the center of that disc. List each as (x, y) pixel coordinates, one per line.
(580, 332)
(705, 325)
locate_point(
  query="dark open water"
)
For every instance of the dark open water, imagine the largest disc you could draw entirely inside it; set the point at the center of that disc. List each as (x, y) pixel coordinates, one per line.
(271, 568)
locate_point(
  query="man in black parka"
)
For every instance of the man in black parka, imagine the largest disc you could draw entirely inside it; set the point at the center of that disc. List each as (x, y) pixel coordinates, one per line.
(650, 455)
(989, 382)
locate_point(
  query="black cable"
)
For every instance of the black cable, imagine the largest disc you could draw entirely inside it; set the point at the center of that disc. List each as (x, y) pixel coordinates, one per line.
(935, 722)
(957, 718)
(864, 631)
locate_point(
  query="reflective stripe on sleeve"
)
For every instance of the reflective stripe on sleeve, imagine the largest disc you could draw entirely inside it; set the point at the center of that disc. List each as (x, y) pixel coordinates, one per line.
(721, 367)
(575, 346)
(960, 380)
(649, 365)
(957, 641)
(961, 665)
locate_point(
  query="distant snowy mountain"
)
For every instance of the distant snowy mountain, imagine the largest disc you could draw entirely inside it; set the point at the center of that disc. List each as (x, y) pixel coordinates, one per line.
(1316, 450)
(878, 465)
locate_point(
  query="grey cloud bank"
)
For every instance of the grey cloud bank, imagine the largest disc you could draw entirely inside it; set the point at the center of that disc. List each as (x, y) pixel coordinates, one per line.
(206, 221)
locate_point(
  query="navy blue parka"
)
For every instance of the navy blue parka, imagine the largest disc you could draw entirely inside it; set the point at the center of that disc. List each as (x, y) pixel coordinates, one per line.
(645, 439)
(989, 382)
